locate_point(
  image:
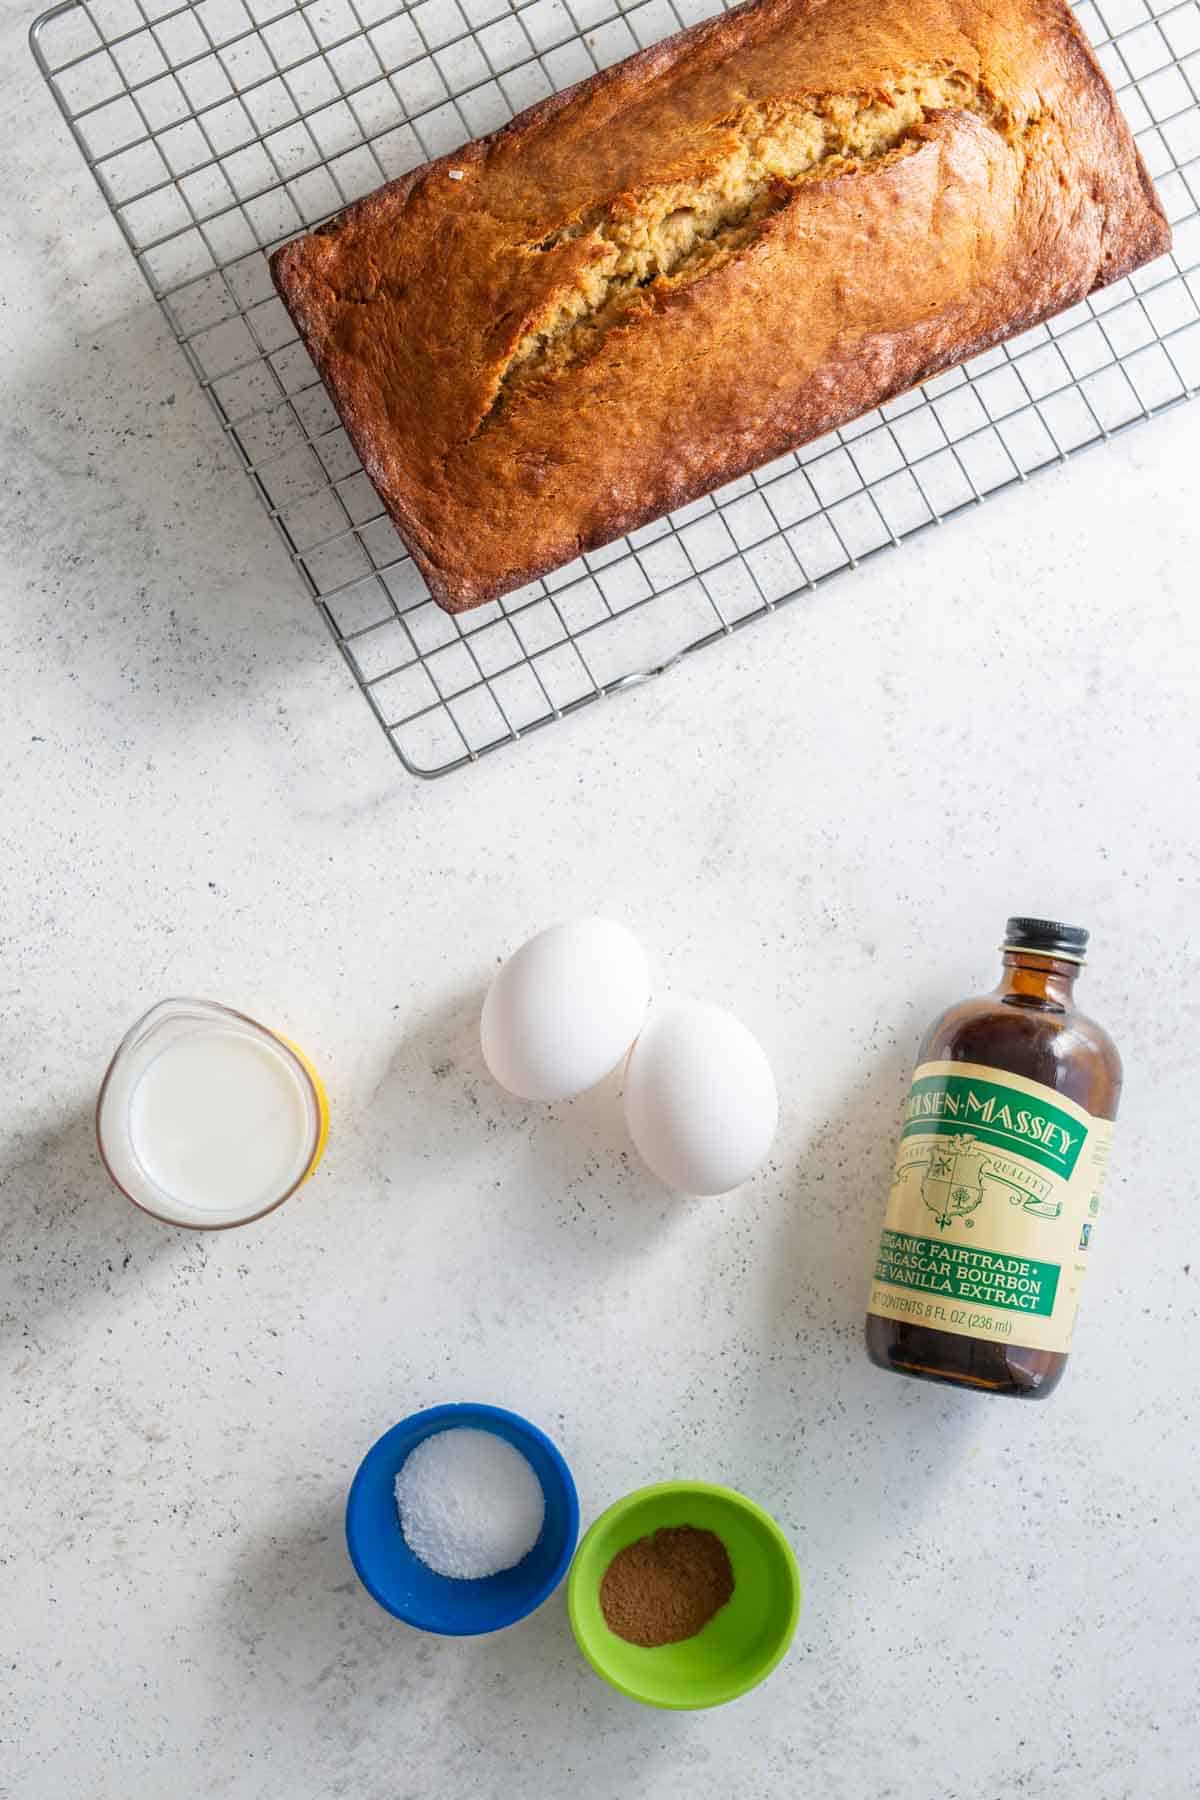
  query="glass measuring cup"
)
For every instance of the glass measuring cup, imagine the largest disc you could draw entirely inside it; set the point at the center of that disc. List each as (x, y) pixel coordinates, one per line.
(208, 1119)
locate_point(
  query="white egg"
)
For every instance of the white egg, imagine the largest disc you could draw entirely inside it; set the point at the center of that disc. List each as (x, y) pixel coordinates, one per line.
(700, 1099)
(564, 1009)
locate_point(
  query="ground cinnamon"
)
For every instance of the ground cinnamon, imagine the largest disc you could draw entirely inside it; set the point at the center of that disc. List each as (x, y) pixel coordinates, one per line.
(666, 1587)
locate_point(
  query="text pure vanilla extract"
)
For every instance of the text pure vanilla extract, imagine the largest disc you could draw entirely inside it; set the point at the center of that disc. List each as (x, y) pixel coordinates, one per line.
(996, 1189)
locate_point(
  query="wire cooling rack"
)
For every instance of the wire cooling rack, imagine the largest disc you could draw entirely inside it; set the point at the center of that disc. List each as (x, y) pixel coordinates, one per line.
(219, 129)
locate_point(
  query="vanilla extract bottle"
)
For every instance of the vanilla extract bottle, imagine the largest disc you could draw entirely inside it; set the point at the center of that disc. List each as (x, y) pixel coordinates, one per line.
(996, 1190)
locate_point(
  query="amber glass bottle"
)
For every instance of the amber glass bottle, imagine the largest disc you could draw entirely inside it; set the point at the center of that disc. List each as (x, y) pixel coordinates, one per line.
(997, 1183)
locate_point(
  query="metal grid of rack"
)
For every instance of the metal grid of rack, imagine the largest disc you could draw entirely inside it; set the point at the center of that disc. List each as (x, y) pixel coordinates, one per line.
(217, 130)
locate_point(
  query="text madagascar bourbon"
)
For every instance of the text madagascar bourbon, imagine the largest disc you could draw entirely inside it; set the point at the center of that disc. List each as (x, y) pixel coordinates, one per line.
(996, 1190)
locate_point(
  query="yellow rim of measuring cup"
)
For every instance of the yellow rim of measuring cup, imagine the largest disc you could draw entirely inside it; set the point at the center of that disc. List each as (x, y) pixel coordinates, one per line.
(322, 1099)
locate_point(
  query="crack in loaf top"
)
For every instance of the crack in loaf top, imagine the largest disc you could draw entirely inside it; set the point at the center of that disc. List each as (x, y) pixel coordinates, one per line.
(713, 251)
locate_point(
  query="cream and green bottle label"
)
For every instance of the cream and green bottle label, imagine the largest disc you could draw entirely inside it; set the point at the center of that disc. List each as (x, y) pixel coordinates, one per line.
(993, 1205)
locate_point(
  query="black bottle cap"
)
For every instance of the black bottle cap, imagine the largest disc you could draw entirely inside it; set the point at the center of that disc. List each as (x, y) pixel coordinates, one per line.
(1050, 937)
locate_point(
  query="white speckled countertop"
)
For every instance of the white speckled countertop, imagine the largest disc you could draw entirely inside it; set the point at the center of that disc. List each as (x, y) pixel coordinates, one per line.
(822, 824)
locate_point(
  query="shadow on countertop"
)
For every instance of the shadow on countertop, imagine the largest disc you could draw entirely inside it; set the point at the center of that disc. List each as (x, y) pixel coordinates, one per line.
(147, 554)
(69, 1241)
(565, 1172)
(319, 1643)
(150, 585)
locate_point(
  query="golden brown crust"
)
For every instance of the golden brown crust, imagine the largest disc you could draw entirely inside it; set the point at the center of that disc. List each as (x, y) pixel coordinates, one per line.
(713, 252)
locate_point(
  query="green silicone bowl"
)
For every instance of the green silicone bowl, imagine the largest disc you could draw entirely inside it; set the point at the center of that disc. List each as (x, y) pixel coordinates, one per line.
(739, 1646)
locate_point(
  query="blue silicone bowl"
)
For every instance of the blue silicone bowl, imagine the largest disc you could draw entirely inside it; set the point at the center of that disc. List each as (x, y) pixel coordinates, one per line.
(401, 1582)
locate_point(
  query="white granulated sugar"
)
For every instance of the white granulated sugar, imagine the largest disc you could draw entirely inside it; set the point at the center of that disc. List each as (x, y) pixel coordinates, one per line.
(470, 1505)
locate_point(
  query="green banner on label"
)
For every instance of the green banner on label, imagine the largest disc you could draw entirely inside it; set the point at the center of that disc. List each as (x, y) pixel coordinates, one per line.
(983, 1277)
(946, 1105)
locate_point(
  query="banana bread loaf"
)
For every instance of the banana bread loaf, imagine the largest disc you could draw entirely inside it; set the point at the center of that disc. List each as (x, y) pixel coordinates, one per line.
(709, 254)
